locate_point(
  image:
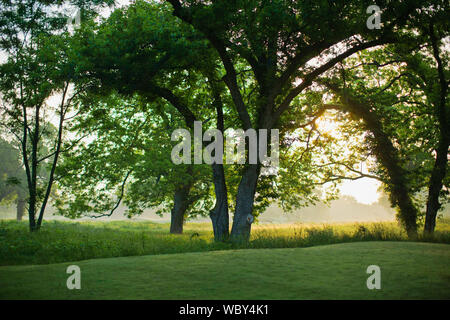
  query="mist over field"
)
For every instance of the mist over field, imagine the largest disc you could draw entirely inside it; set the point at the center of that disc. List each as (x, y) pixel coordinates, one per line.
(345, 209)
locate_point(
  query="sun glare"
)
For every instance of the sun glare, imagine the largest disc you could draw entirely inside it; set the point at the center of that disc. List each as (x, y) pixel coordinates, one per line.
(327, 125)
(364, 190)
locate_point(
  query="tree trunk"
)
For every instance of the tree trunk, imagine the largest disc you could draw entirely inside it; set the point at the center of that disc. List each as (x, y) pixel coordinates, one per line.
(20, 208)
(438, 174)
(435, 186)
(399, 193)
(55, 158)
(180, 206)
(243, 218)
(32, 212)
(388, 156)
(408, 212)
(219, 215)
(440, 165)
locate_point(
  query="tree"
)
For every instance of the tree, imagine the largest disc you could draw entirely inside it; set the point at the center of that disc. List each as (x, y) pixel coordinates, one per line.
(271, 43)
(383, 149)
(400, 94)
(157, 57)
(32, 35)
(124, 156)
(434, 82)
(276, 40)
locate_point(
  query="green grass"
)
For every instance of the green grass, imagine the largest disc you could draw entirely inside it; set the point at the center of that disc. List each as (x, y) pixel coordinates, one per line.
(409, 270)
(74, 241)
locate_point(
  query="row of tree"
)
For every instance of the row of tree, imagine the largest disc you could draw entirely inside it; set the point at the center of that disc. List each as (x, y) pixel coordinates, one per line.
(127, 82)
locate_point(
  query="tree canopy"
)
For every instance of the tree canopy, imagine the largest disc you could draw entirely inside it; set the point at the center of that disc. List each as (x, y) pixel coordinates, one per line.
(152, 67)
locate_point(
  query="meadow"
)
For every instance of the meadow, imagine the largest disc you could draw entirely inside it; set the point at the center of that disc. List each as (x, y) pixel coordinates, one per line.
(60, 241)
(141, 260)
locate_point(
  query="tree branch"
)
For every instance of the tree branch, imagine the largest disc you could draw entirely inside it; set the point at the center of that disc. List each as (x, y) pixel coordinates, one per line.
(309, 78)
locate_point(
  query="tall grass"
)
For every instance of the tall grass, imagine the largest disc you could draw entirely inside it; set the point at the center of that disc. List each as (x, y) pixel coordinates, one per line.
(72, 241)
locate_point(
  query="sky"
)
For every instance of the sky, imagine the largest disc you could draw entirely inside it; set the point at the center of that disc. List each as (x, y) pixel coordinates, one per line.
(364, 190)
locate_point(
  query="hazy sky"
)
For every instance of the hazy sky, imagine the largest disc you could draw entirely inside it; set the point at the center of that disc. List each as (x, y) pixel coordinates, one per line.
(363, 190)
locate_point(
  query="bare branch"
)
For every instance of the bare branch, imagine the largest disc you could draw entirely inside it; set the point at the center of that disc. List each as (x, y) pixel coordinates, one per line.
(119, 200)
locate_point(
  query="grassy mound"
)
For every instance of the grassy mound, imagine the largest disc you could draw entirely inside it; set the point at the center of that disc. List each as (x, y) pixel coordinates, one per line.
(409, 270)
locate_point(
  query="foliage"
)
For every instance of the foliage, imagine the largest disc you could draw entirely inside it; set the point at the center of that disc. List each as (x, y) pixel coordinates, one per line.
(12, 177)
(125, 155)
(401, 83)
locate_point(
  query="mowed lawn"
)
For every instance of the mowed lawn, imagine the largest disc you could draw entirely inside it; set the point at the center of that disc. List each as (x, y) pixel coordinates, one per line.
(409, 270)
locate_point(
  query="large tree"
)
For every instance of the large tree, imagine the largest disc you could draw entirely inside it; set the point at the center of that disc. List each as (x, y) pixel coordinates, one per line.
(159, 56)
(280, 47)
(277, 40)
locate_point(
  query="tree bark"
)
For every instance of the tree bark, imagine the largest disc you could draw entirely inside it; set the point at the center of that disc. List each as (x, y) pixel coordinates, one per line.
(180, 206)
(399, 192)
(389, 158)
(243, 218)
(435, 186)
(55, 157)
(219, 215)
(20, 208)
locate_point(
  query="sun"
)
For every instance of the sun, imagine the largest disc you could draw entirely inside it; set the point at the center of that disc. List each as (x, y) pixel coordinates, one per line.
(364, 190)
(327, 126)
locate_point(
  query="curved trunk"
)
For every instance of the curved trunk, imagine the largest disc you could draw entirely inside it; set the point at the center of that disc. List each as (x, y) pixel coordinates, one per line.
(400, 196)
(440, 165)
(243, 218)
(20, 208)
(389, 158)
(219, 215)
(32, 212)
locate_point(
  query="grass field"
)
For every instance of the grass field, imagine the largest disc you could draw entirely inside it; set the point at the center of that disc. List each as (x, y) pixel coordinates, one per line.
(409, 270)
(74, 241)
(141, 260)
